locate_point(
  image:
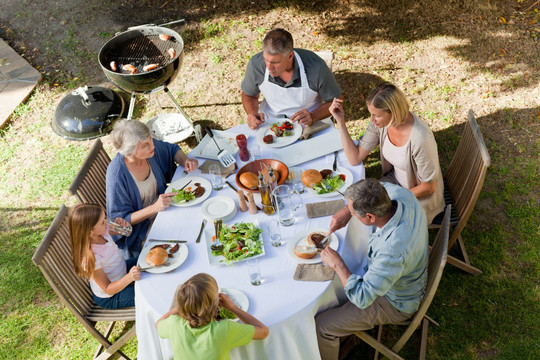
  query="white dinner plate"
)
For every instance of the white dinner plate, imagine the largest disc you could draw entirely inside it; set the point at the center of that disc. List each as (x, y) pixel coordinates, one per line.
(175, 261)
(219, 207)
(237, 297)
(220, 260)
(301, 240)
(278, 141)
(194, 179)
(348, 182)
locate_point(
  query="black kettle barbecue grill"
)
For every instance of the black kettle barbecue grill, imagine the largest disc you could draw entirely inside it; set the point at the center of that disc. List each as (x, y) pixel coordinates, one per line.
(139, 47)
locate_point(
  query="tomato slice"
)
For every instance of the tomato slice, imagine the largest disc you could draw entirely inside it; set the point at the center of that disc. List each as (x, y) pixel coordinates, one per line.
(342, 177)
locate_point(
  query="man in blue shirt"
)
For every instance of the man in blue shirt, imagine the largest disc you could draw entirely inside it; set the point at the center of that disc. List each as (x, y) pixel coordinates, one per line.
(395, 278)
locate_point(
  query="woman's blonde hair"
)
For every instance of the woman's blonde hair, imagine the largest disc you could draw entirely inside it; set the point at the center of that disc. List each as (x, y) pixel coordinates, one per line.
(82, 218)
(388, 97)
(197, 300)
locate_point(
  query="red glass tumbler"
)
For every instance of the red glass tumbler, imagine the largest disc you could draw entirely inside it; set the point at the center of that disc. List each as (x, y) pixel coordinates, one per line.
(243, 151)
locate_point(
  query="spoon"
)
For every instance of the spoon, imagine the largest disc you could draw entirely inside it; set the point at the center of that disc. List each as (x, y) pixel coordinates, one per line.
(217, 246)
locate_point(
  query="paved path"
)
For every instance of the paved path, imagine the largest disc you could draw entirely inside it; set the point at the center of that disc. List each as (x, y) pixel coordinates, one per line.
(17, 80)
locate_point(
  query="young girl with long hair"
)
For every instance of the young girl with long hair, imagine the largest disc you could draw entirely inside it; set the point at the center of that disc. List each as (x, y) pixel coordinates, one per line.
(97, 258)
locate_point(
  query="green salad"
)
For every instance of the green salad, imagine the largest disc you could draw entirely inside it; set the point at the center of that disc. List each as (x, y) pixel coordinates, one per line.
(330, 184)
(226, 314)
(183, 196)
(240, 241)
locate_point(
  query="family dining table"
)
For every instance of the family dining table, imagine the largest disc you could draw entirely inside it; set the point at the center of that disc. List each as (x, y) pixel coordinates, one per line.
(285, 305)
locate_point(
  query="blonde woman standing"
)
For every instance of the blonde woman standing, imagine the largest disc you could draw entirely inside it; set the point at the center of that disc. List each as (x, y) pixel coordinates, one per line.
(409, 156)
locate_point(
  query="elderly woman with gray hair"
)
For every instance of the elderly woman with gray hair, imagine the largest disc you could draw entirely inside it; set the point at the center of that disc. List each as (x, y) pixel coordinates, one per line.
(137, 178)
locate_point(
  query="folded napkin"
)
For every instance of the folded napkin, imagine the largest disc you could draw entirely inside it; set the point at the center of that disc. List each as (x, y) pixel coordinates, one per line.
(324, 208)
(312, 129)
(313, 272)
(225, 171)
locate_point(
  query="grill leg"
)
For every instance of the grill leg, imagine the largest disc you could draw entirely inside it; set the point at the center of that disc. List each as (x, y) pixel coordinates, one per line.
(177, 106)
(131, 106)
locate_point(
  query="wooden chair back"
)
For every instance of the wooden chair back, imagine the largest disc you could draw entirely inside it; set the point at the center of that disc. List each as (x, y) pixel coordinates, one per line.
(466, 173)
(54, 258)
(89, 183)
(437, 261)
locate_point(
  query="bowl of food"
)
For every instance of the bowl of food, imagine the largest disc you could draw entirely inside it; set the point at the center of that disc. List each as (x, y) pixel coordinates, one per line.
(247, 177)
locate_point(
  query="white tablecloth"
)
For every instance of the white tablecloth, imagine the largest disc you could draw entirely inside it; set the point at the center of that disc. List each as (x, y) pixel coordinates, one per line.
(286, 306)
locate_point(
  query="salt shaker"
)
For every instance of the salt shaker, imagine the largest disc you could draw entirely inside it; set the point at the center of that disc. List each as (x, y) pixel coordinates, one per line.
(252, 205)
(242, 201)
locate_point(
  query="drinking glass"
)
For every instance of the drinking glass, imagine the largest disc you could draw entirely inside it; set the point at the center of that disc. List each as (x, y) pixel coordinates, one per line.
(255, 151)
(274, 233)
(254, 272)
(284, 204)
(295, 174)
(215, 176)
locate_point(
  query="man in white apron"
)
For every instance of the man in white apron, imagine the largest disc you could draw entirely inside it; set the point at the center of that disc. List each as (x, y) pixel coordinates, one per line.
(294, 82)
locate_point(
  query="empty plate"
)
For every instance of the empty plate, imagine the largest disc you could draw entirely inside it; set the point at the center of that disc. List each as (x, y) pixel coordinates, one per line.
(220, 208)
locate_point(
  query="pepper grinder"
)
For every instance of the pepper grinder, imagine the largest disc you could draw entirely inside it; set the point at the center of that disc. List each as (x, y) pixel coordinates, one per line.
(242, 201)
(252, 205)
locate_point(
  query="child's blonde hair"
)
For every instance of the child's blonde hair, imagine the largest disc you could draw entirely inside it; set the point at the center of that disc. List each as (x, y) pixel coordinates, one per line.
(82, 218)
(197, 300)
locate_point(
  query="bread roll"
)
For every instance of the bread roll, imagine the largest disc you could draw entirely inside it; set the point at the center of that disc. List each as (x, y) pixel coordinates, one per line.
(157, 256)
(305, 251)
(249, 180)
(311, 177)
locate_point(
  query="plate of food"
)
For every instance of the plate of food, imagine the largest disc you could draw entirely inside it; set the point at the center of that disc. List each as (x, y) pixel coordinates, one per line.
(161, 257)
(279, 133)
(306, 247)
(239, 298)
(325, 182)
(240, 241)
(191, 190)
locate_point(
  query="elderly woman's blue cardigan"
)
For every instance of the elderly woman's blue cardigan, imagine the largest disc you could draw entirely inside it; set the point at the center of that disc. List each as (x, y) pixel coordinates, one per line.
(123, 197)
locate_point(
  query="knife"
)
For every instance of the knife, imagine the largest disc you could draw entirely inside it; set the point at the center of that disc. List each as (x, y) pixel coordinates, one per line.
(169, 241)
(235, 190)
(182, 188)
(200, 232)
(334, 166)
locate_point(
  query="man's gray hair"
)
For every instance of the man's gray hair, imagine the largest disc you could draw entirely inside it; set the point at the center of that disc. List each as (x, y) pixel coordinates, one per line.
(127, 134)
(369, 196)
(277, 41)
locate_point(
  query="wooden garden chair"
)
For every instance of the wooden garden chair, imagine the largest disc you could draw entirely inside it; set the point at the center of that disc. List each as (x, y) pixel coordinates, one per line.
(437, 261)
(463, 182)
(54, 259)
(89, 183)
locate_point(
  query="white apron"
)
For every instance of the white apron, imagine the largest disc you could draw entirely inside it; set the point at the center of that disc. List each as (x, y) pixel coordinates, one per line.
(288, 100)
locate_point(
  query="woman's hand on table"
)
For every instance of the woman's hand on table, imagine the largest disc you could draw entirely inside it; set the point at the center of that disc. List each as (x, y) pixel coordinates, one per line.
(336, 109)
(163, 201)
(340, 220)
(191, 164)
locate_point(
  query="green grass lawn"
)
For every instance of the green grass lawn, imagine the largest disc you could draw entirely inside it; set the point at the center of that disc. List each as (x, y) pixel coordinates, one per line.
(492, 316)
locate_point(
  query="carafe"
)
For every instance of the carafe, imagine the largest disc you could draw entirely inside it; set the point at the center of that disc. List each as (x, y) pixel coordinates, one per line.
(284, 204)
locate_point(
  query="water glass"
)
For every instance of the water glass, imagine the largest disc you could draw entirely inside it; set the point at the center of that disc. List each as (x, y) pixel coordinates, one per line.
(215, 176)
(254, 272)
(274, 233)
(255, 151)
(295, 174)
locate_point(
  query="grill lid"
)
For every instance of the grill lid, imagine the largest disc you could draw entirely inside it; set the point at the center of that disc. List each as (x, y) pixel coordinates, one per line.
(87, 113)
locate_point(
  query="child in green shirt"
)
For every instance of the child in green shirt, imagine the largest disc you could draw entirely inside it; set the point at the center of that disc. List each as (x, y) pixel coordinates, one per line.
(193, 329)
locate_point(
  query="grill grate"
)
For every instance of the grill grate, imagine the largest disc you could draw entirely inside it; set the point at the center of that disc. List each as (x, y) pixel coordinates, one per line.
(142, 51)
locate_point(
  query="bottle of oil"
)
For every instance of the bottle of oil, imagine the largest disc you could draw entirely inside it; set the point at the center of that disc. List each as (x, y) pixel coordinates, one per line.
(266, 196)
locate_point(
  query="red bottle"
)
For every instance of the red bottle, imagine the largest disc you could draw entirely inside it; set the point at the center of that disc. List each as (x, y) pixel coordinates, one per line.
(242, 146)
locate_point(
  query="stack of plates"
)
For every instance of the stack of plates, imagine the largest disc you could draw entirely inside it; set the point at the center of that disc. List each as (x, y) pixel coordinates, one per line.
(219, 208)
